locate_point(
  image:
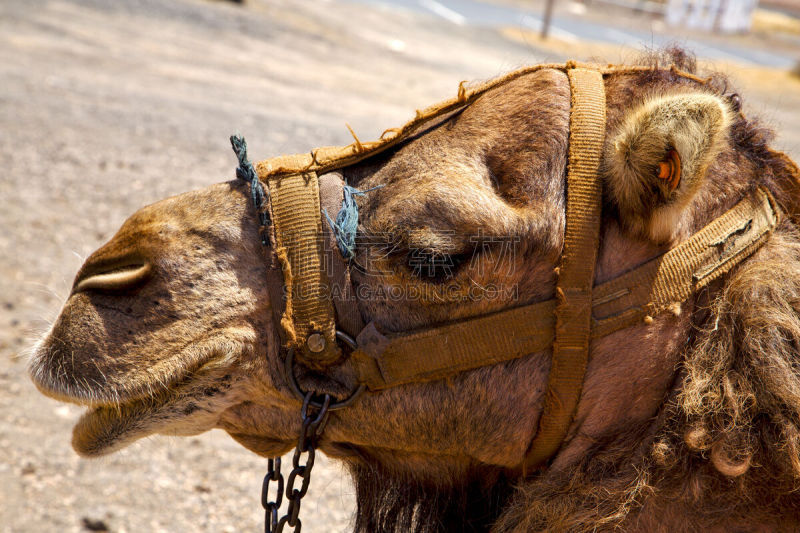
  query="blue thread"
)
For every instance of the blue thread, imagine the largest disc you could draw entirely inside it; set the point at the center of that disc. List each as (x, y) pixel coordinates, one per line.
(346, 223)
(247, 173)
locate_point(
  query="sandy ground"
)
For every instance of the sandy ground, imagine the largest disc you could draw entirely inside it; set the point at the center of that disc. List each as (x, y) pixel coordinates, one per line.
(107, 106)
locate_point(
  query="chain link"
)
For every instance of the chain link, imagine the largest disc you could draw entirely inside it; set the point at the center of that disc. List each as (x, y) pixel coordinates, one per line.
(302, 463)
(271, 506)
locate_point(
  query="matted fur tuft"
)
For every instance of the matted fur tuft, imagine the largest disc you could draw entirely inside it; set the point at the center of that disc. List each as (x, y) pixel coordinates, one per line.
(743, 377)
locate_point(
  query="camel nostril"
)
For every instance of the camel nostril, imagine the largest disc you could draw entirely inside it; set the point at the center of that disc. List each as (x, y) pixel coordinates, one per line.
(117, 278)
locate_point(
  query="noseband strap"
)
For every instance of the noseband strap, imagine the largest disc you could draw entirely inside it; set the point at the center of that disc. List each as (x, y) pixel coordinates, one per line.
(308, 322)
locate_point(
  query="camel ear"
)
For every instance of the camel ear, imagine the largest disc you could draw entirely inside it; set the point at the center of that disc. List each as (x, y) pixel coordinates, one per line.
(656, 161)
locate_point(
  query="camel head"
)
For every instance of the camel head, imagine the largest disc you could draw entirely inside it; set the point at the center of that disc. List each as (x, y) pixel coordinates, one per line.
(168, 328)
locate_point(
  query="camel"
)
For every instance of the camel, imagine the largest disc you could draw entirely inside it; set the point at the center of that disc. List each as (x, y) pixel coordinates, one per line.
(687, 421)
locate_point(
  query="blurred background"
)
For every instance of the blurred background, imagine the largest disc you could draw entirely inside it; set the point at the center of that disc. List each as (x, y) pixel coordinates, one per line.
(108, 106)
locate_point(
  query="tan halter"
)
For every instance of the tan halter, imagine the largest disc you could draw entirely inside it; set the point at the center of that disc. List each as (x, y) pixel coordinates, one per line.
(581, 311)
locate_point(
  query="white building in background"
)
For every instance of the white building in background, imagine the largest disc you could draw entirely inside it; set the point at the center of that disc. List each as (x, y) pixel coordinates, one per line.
(727, 16)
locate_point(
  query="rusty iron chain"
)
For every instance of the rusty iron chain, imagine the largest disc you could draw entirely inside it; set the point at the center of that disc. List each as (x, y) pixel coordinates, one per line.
(302, 463)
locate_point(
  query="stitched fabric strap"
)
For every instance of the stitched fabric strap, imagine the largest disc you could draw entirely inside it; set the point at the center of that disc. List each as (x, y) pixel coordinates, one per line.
(668, 280)
(298, 246)
(425, 355)
(576, 273)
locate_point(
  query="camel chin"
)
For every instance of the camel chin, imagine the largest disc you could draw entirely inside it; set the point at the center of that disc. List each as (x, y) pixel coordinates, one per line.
(107, 429)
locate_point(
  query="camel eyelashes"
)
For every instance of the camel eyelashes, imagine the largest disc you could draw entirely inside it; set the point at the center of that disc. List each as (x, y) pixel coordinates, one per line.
(115, 279)
(434, 266)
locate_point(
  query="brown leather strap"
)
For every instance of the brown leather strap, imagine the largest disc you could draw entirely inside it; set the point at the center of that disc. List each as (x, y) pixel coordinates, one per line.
(307, 309)
(348, 316)
(576, 273)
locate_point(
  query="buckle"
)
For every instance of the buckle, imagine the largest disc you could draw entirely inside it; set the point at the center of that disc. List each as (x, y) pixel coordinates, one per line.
(303, 396)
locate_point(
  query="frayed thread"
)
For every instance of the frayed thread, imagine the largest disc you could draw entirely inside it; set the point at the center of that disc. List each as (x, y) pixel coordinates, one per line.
(346, 223)
(258, 195)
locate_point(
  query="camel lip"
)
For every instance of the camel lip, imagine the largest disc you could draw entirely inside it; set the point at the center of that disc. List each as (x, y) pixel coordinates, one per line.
(62, 396)
(81, 399)
(103, 397)
(106, 428)
(69, 393)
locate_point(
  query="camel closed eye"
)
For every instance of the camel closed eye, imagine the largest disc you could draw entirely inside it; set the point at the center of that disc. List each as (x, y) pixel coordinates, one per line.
(434, 266)
(115, 279)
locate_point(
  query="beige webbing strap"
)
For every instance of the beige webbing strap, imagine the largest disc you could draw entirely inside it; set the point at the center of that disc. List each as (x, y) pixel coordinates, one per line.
(434, 353)
(308, 309)
(668, 280)
(576, 273)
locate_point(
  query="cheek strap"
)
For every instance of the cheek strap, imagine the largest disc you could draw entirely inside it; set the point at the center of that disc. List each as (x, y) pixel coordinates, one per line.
(587, 127)
(383, 360)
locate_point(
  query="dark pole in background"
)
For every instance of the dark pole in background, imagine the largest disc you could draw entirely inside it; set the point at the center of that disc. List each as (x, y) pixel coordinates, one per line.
(548, 13)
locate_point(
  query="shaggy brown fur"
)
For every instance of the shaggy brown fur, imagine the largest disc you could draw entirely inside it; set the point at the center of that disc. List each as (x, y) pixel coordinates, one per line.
(688, 423)
(460, 501)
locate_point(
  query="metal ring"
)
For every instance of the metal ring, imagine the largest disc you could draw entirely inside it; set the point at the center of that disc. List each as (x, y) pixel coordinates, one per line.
(289, 369)
(347, 339)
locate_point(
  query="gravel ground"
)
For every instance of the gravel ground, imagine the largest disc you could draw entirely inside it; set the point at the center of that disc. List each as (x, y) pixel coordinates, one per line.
(107, 106)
